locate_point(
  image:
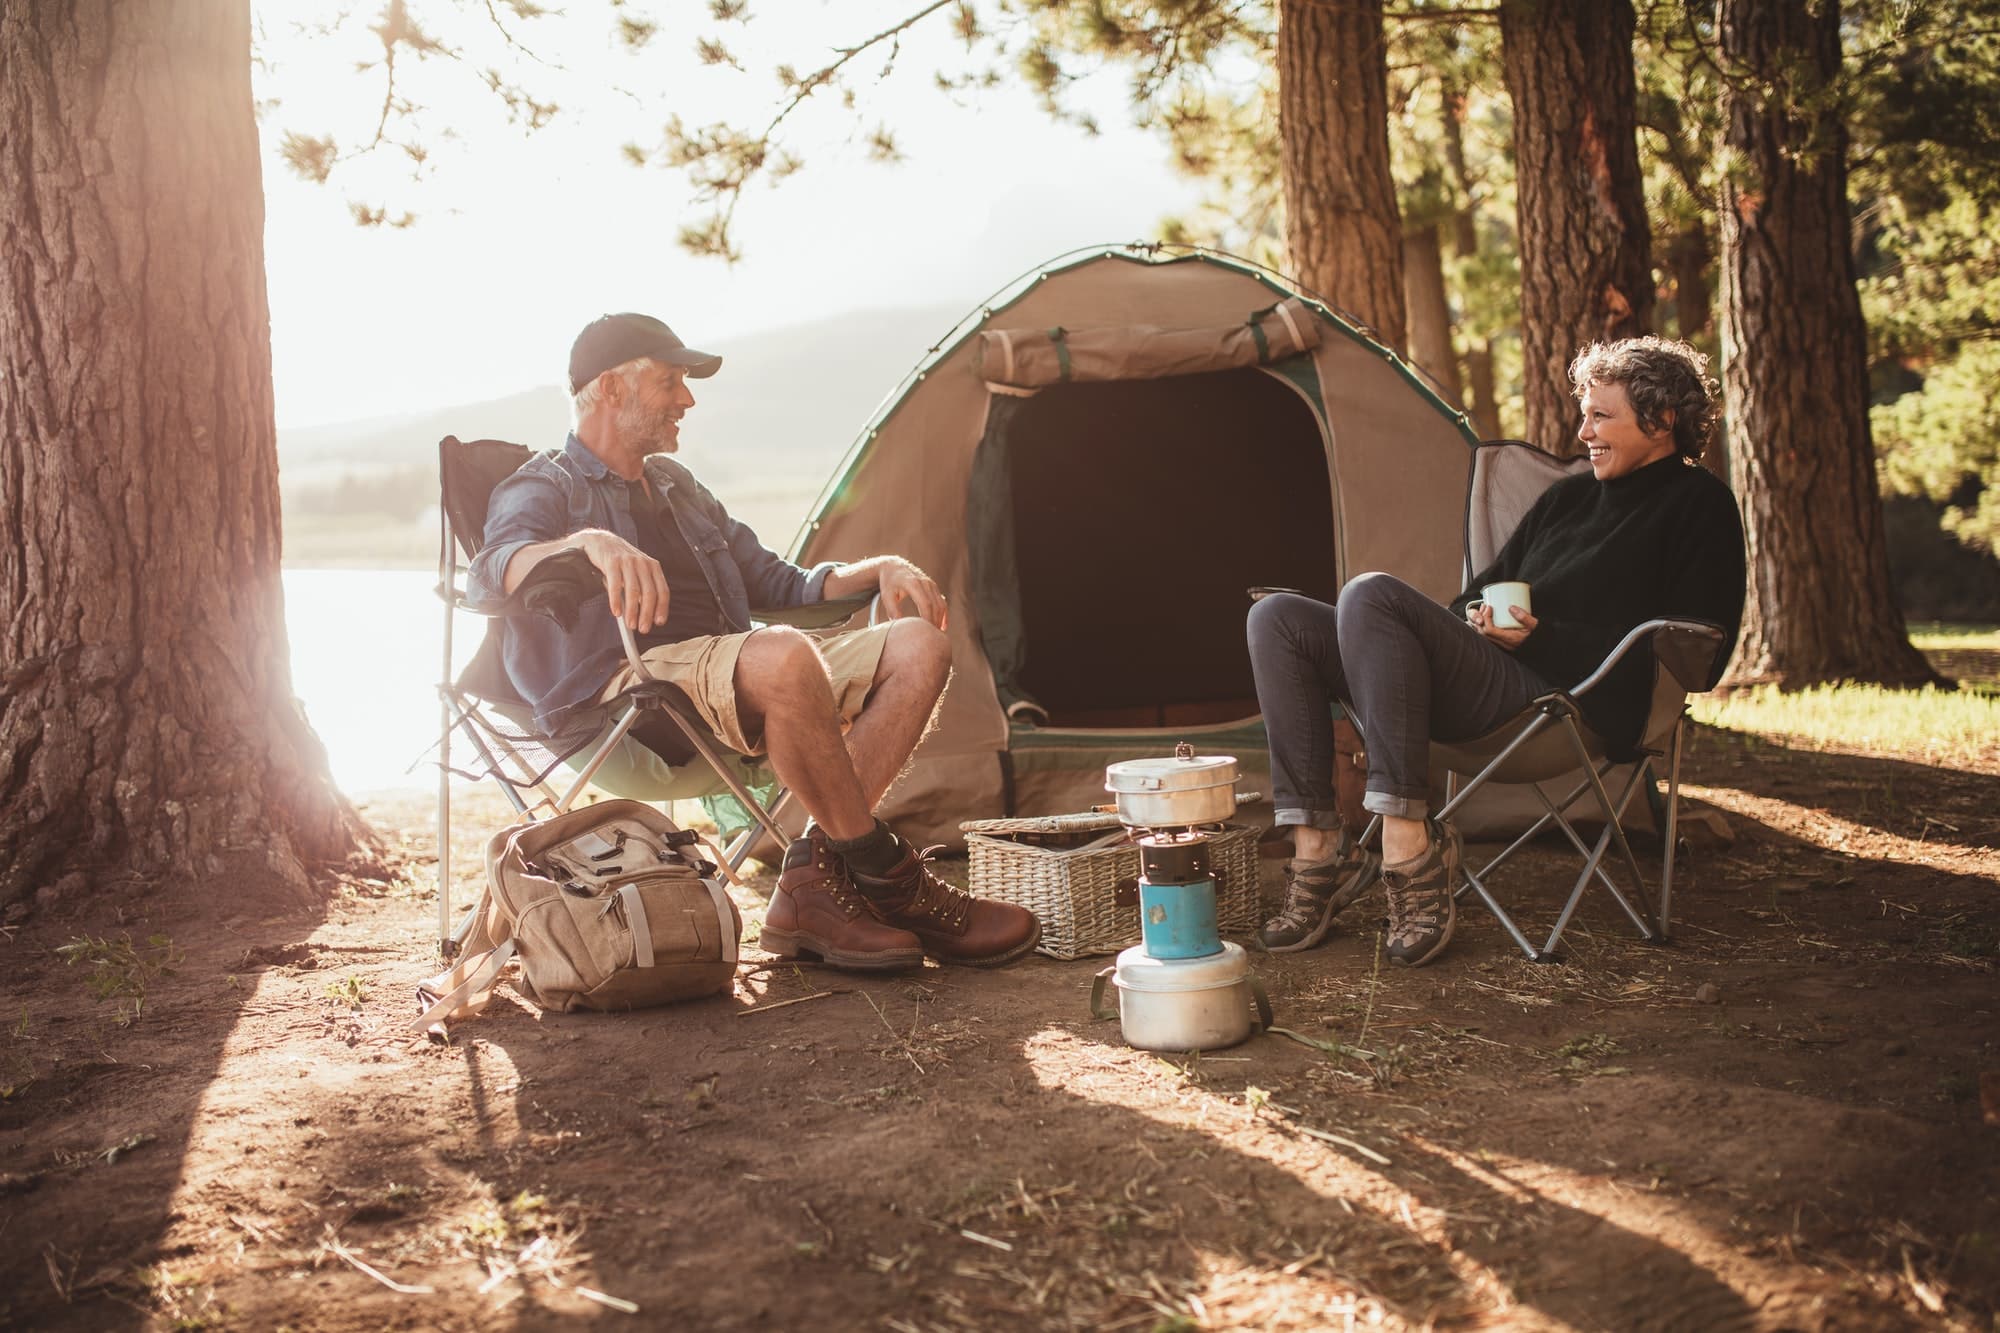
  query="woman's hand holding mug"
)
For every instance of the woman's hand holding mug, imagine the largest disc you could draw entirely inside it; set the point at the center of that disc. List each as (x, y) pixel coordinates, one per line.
(1502, 613)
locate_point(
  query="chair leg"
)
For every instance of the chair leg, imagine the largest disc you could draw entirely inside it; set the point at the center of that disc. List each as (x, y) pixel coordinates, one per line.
(1464, 794)
(738, 851)
(1615, 831)
(596, 761)
(444, 815)
(728, 776)
(1506, 921)
(1551, 814)
(446, 725)
(509, 787)
(1673, 823)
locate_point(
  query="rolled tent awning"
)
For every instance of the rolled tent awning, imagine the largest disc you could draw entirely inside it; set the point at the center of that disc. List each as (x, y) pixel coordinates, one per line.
(1030, 359)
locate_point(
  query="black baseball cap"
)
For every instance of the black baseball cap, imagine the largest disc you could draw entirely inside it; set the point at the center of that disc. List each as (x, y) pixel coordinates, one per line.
(610, 341)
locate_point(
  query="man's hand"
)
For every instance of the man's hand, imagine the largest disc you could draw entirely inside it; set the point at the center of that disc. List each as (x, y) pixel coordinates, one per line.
(904, 584)
(1481, 619)
(633, 580)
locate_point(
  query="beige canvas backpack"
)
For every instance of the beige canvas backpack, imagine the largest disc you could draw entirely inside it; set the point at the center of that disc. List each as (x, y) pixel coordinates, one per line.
(608, 906)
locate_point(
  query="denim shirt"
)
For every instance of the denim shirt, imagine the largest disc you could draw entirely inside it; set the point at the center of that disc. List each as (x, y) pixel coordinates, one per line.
(561, 673)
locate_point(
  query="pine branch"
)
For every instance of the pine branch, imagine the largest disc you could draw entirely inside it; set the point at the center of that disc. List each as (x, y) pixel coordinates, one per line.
(744, 157)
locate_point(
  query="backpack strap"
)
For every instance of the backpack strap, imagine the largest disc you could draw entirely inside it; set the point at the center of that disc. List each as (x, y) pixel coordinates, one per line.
(463, 989)
(723, 916)
(642, 933)
(642, 929)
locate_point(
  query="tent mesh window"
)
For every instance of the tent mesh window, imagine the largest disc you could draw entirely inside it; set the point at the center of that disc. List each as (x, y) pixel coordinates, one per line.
(1138, 514)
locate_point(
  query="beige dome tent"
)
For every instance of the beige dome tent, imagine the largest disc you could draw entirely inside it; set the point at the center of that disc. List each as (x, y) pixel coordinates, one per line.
(1096, 466)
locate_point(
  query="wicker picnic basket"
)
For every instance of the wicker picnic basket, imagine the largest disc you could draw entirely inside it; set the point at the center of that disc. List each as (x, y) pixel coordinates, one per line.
(1079, 875)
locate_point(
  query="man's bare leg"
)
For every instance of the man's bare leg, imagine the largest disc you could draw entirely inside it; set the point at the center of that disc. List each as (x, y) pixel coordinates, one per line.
(781, 685)
(909, 681)
(782, 690)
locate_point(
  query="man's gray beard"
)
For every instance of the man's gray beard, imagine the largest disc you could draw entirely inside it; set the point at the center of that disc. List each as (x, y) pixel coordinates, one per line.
(654, 429)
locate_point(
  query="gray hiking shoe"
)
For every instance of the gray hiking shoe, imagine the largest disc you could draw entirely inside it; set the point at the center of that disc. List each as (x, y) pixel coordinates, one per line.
(1422, 910)
(1314, 895)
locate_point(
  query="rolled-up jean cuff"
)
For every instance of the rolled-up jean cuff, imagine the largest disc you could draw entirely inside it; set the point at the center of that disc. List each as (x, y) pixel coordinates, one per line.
(1294, 816)
(1395, 807)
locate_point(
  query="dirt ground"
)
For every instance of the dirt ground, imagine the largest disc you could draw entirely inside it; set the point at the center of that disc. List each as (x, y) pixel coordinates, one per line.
(1774, 1122)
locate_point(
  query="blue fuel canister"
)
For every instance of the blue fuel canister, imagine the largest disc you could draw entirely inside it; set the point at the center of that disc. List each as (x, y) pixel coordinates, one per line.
(1177, 897)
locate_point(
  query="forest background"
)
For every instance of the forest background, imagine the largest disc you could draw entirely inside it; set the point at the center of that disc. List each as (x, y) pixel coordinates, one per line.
(1915, 95)
(1799, 184)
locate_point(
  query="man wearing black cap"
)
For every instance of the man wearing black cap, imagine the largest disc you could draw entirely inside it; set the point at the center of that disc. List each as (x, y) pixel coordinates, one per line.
(838, 714)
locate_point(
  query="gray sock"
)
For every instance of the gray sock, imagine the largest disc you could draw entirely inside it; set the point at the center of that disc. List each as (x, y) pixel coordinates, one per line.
(874, 853)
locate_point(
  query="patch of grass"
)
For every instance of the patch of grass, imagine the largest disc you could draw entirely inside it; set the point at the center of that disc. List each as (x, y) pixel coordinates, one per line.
(351, 990)
(121, 970)
(1930, 636)
(1959, 729)
(1585, 1055)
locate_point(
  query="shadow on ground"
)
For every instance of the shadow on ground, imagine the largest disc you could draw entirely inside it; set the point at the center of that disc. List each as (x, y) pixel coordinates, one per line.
(1771, 1123)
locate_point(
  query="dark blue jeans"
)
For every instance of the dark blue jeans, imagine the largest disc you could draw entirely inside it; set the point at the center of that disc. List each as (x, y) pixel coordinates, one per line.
(1404, 669)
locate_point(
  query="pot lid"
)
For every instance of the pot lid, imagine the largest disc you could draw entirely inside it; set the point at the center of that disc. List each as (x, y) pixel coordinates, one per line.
(1180, 773)
(1140, 971)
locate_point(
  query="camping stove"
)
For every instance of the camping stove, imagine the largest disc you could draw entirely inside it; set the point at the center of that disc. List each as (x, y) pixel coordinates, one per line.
(1181, 988)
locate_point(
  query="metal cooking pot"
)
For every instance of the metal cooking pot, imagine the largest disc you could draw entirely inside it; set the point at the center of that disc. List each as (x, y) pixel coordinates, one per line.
(1174, 793)
(1183, 1004)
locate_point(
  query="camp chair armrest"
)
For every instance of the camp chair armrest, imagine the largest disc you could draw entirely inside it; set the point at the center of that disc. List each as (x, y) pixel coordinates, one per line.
(813, 615)
(561, 582)
(556, 587)
(1686, 648)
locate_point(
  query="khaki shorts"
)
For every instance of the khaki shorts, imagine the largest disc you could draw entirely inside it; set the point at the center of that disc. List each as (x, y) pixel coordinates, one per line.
(705, 670)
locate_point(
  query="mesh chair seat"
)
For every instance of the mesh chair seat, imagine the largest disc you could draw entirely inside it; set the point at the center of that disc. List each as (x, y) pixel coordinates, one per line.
(1546, 755)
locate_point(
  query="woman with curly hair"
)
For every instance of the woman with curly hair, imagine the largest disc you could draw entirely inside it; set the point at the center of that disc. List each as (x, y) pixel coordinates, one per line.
(1647, 533)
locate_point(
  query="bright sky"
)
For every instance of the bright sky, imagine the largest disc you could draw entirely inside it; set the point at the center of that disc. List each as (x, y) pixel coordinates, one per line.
(523, 238)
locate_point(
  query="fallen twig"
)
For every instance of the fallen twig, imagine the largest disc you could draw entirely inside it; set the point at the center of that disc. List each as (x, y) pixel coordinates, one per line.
(1367, 1152)
(816, 995)
(1324, 1047)
(614, 1302)
(899, 1039)
(985, 1240)
(339, 1251)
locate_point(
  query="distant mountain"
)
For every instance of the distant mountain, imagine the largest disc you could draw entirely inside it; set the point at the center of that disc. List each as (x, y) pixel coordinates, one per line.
(783, 409)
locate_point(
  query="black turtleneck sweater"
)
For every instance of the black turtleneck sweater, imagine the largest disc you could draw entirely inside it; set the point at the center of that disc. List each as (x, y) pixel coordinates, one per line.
(1602, 556)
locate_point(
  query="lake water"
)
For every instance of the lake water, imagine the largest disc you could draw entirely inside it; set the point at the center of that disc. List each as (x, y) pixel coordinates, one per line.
(366, 658)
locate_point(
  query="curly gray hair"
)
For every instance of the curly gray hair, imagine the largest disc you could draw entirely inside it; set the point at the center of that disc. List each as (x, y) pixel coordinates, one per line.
(1666, 381)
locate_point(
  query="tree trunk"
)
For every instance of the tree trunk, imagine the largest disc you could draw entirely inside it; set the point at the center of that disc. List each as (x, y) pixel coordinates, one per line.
(1586, 267)
(1481, 395)
(147, 725)
(1794, 354)
(1430, 311)
(1341, 222)
(1689, 258)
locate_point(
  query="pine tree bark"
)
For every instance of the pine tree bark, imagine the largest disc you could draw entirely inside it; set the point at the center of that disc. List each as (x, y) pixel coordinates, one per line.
(1429, 311)
(147, 725)
(1341, 222)
(1794, 352)
(1586, 264)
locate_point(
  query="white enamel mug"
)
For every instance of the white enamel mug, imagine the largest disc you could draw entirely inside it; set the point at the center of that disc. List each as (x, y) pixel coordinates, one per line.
(1501, 599)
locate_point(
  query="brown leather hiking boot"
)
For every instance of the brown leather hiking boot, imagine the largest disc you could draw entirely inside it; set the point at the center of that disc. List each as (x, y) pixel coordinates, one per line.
(816, 912)
(955, 927)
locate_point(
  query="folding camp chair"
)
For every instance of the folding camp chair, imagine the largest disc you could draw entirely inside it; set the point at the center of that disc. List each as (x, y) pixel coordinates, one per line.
(648, 746)
(1549, 741)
